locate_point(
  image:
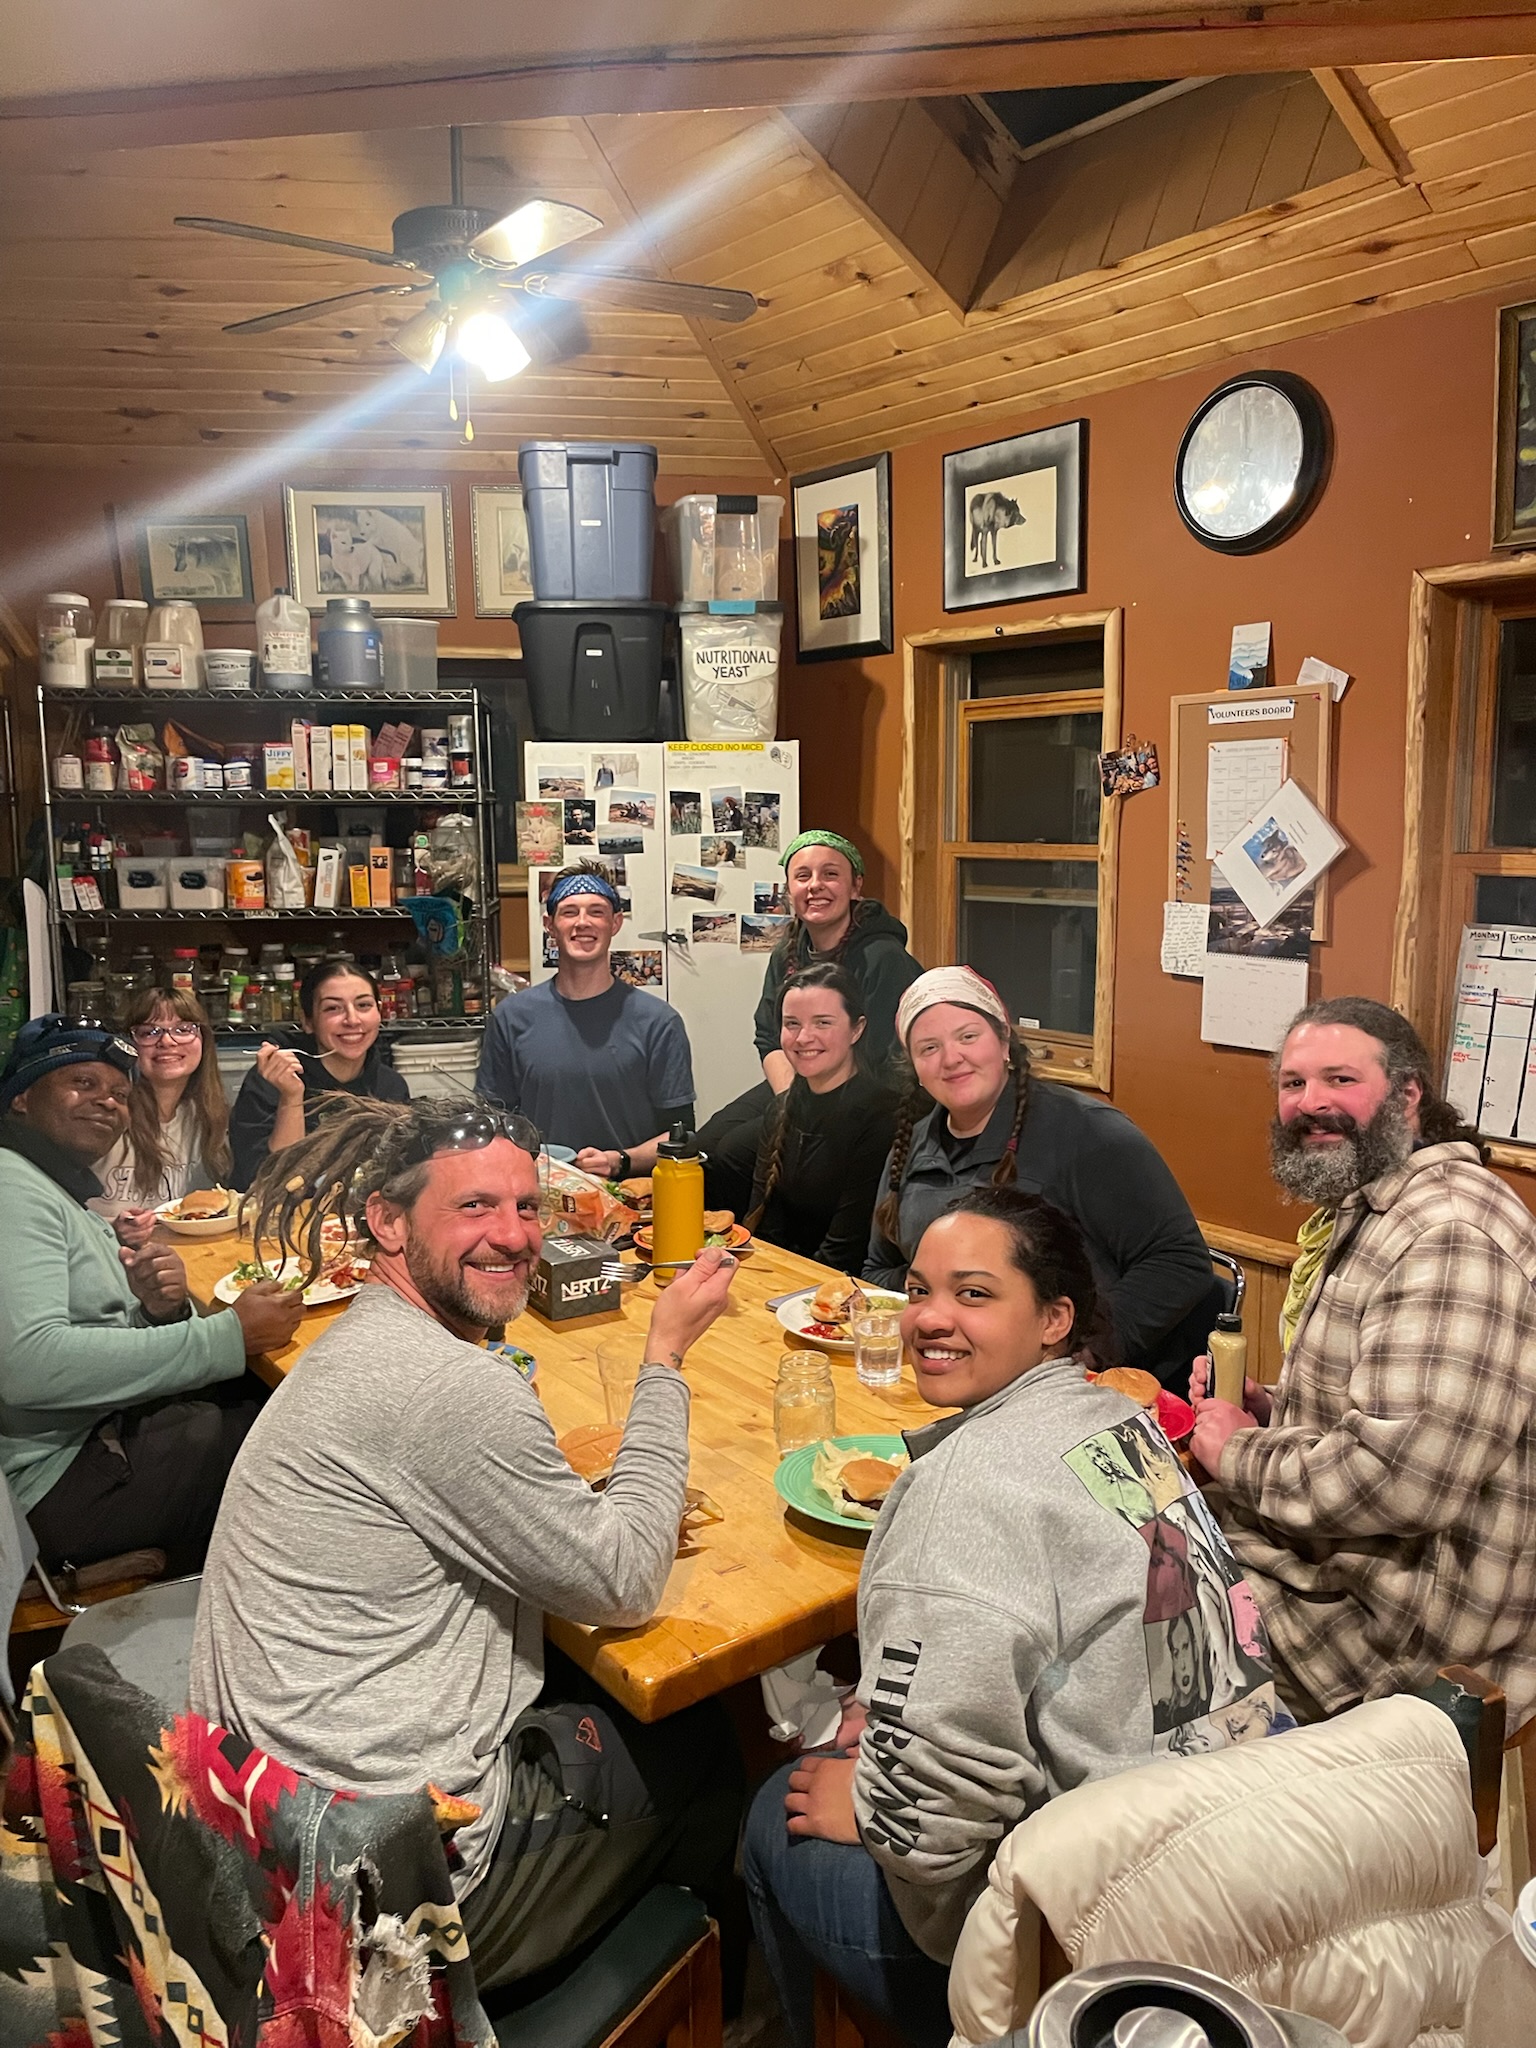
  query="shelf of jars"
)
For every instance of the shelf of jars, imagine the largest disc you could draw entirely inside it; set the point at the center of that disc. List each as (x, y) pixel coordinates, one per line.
(450, 693)
(268, 799)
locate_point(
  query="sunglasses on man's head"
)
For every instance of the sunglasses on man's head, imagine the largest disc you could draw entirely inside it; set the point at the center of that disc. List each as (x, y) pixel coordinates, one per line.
(471, 1130)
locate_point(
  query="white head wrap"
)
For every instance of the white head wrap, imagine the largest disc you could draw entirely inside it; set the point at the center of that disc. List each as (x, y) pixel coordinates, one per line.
(961, 985)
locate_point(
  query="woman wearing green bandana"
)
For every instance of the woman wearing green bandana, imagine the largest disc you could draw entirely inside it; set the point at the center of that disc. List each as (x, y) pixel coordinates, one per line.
(834, 924)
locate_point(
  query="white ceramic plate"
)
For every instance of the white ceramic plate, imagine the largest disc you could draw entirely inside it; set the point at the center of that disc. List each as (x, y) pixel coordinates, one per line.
(318, 1296)
(796, 1317)
(198, 1226)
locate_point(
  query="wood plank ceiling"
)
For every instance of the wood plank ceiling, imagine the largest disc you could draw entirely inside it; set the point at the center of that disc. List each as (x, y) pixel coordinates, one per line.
(109, 324)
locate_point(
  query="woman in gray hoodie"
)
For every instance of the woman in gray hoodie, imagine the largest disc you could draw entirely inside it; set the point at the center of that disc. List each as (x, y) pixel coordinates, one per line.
(1046, 1599)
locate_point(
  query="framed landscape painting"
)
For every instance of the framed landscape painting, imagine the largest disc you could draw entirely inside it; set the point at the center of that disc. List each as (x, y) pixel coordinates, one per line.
(394, 547)
(1014, 516)
(842, 530)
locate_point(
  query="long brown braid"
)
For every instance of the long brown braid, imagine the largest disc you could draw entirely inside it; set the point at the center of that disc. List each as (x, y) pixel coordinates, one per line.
(823, 972)
(1004, 1174)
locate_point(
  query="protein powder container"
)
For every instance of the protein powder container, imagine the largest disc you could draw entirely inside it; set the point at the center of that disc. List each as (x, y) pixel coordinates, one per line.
(350, 646)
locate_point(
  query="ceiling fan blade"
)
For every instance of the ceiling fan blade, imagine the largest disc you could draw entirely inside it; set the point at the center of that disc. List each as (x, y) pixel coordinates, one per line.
(236, 227)
(618, 289)
(531, 232)
(292, 315)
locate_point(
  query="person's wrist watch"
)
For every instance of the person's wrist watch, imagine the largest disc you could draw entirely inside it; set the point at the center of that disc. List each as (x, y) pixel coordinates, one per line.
(622, 1171)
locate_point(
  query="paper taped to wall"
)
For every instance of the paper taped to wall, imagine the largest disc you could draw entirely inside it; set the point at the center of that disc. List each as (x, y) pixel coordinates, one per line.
(1250, 1002)
(1184, 933)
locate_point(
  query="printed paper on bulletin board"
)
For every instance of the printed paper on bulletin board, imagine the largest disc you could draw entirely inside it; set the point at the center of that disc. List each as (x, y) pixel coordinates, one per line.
(1301, 715)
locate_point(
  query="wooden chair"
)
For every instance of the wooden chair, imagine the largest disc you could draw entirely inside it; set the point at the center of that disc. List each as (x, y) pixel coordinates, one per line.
(52, 1600)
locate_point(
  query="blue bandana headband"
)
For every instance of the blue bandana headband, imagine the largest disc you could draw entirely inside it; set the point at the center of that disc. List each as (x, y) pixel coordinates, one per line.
(582, 885)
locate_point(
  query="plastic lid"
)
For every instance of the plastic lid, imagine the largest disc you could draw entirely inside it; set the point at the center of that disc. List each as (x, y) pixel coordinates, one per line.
(1523, 1922)
(679, 1143)
(1229, 1322)
(136, 604)
(67, 597)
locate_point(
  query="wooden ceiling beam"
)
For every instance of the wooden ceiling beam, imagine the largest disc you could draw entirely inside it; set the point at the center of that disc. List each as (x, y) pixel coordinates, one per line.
(1122, 42)
(1350, 98)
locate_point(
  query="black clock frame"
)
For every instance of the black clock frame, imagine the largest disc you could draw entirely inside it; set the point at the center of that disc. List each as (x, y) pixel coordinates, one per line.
(1316, 461)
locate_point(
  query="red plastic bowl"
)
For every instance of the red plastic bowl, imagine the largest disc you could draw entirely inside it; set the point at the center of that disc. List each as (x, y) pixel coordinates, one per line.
(1175, 1418)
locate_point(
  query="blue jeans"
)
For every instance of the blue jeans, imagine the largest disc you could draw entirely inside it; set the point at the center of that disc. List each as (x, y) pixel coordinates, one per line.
(825, 1905)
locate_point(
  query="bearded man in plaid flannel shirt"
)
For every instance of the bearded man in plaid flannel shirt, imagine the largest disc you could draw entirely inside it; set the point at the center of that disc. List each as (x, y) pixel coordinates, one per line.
(1382, 1501)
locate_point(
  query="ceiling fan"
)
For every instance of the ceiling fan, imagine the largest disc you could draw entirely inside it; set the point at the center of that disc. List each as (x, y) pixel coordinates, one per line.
(497, 299)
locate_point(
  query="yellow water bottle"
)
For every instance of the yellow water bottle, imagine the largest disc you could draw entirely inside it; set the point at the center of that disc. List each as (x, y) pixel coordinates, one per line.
(677, 1202)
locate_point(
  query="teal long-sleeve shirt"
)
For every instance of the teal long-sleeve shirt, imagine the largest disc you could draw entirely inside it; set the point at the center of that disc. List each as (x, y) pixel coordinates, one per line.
(74, 1342)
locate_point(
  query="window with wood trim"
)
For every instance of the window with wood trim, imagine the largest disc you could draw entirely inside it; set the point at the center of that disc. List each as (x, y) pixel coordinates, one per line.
(1009, 845)
(1469, 853)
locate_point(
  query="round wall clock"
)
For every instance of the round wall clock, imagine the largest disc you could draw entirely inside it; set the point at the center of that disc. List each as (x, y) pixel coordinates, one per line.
(1252, 462)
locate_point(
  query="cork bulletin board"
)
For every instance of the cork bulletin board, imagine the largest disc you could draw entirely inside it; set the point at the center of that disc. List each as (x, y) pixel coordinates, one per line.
(1303, 717)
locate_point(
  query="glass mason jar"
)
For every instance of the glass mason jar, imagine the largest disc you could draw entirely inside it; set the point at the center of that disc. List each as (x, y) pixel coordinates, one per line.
(804, 1403)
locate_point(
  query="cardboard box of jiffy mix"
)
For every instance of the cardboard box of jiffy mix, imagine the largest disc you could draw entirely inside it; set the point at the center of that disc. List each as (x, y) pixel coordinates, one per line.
(568, 1281)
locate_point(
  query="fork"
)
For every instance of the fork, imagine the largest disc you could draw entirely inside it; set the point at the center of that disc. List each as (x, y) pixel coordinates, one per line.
(623, 1269)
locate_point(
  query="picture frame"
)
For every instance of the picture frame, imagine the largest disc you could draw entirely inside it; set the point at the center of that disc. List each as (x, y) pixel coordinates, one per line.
(222, 555)
(993, 496)
(498, 521)
(841, 522)
(1514, 488)
(391, 544)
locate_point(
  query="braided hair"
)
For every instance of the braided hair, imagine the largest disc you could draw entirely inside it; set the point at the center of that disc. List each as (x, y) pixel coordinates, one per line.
(822, 972)
(360, 1147)
(913, 1098)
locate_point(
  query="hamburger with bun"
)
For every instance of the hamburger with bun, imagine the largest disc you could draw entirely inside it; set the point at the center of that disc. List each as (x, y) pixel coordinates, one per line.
(1136, 1385)
(204, 1204)
(837, 1300)
(591, 1450)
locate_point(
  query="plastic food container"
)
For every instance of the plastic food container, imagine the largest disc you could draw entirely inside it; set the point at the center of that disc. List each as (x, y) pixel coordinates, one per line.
(230, 670)
(410, 657)
(196, 884)
(65, 637)
(246, 885)
(594, 671)
(141, 882)
(349, 646)
(729, 671)
(591, 509)
(724, 548)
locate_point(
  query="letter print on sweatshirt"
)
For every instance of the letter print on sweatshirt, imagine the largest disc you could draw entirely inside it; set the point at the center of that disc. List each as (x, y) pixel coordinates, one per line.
(1207, 1654)
(894, 1821)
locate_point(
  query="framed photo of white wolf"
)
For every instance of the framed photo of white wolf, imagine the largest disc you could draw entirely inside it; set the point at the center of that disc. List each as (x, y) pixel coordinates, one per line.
(394, 547)
(1014, 518)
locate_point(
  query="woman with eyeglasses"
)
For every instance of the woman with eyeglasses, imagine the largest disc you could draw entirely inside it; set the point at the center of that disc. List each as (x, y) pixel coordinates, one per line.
(178, 1116)
(338, 1052)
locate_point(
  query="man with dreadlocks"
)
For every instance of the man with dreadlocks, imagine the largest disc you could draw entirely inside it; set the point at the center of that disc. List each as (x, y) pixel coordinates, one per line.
(401, 1519)
(996, 1125)
(1382, 1502)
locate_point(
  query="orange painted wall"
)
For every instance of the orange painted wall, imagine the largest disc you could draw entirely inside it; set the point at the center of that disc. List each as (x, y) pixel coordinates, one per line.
(1412, 400)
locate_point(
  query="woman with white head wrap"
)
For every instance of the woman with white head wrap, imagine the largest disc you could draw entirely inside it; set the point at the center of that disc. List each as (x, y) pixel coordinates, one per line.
(994, 1124)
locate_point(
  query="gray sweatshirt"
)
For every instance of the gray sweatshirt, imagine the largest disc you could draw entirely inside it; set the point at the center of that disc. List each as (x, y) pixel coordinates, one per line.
(1046, 1599)
(394, 1530)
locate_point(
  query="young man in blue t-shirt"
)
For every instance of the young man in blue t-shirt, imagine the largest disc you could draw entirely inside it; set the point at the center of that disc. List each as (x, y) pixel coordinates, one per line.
(595, 1064)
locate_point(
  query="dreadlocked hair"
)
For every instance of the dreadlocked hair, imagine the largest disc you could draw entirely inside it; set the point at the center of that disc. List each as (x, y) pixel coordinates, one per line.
(913, 1099)
(359, 1147)
(823, 972)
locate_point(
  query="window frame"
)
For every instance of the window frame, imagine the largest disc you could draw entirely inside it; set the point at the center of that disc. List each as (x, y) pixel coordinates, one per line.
(935, 799)
(1453, 647)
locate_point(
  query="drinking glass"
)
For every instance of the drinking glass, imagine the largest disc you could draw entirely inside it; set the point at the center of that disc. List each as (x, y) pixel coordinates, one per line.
(804, 1404)
(619, 1359)
(877, 1347)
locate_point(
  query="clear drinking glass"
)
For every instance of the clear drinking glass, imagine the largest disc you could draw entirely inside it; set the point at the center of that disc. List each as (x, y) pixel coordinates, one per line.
(804, 1404)
(877, 1347)
(619, 1359)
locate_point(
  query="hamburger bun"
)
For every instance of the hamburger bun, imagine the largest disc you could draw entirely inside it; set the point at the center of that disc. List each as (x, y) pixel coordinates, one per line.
(719, 1222)
(1136, 1385)
(868, 1480)
(837, 1300)
(591, 1450)
(204, 1204)
(637, 1192)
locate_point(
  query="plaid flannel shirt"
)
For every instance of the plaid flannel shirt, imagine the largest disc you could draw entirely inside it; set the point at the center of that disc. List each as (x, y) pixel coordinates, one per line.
(1386, 1518)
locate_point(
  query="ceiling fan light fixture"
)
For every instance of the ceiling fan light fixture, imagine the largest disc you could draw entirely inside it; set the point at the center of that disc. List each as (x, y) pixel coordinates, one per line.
(421, 339)
(531, 231)
(489, 343)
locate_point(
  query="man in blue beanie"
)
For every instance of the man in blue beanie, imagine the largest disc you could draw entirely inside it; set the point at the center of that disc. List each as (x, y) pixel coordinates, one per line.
(99, 1348)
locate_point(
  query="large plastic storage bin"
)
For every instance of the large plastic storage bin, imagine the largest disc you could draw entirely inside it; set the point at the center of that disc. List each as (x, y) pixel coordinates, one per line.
(724, 548)
(594, 670)
(728, 664)
(410, 657)
(591, 519)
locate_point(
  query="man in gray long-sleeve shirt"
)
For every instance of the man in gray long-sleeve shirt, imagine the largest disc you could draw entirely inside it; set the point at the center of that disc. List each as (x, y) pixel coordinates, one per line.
(401, 1518)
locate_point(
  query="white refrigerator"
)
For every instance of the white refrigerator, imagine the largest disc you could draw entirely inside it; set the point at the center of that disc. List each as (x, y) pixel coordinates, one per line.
(692, 834)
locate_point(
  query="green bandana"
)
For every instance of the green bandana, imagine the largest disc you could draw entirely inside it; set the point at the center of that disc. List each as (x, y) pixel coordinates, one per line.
(818, 837)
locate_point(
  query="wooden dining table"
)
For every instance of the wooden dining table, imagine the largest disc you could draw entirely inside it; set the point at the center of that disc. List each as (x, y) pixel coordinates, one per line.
(745, 1593)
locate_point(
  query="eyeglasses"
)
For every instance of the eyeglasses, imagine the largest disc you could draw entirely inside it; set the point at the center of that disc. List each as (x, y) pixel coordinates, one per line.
(471, 1130)
(151, 1034)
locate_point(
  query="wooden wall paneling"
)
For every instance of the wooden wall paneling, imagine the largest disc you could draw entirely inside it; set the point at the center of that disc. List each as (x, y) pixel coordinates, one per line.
(1288, 164)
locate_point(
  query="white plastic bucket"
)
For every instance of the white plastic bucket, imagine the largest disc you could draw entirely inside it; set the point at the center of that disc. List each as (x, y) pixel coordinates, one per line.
(444, 1067)
(730, 674)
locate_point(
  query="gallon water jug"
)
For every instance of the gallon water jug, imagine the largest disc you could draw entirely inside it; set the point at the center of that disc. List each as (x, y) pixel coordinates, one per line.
(282, 646)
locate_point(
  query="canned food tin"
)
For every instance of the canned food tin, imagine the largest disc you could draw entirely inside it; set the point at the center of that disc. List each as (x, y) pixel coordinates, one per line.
(68, 772)
(187, 772)
(461, 732)
(434, 746)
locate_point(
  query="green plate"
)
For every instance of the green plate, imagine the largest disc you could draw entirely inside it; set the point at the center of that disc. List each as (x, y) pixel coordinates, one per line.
(793, 1482)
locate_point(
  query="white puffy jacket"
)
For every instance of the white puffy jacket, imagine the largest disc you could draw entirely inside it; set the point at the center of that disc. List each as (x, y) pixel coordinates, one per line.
(1333, 1870)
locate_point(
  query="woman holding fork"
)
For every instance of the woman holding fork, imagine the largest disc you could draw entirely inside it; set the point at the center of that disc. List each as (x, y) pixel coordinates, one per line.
(338, 1052)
